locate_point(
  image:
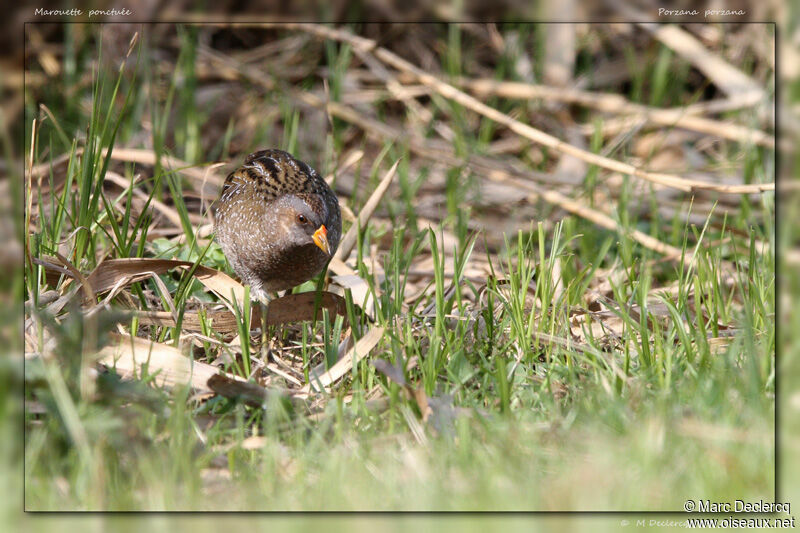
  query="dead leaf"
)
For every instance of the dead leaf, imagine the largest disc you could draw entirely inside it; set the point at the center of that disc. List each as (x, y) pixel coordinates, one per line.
(359, 290)
(130, 356)
(305, 306)
(248, 392)
(422, 402)
(129, 270)
(393, 372)
(346, 363)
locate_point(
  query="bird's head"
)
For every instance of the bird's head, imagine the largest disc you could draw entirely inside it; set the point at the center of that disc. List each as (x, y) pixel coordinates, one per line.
(303, 219)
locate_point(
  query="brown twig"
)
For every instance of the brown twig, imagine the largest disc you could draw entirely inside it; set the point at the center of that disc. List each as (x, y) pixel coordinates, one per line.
(538, 136)
(482, 166)
(349, 240)
(685, 118)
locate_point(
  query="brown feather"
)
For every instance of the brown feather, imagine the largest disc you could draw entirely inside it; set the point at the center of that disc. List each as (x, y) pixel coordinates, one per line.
(257, 226)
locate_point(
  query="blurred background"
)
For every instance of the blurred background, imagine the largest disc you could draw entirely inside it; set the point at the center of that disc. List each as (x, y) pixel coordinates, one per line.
(40, 45)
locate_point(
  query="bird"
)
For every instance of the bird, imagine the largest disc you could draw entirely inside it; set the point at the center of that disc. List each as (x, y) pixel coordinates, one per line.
(277, 222)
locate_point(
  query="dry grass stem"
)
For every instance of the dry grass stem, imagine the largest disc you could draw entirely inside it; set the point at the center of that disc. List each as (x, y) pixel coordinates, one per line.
(538, 136)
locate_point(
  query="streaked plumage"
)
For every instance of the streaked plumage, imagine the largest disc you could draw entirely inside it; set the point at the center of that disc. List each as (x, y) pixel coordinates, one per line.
(274, 219)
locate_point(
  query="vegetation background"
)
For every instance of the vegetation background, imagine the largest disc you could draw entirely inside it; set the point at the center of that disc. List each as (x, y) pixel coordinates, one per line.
(558, 429)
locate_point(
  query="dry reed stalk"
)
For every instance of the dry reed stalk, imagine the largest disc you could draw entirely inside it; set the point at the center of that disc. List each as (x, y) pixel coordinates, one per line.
(538, 136)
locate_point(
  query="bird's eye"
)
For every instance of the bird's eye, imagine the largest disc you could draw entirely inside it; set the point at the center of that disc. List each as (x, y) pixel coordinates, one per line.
(302, 219)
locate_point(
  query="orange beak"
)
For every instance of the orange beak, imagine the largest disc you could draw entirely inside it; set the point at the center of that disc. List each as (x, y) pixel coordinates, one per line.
(321, 239)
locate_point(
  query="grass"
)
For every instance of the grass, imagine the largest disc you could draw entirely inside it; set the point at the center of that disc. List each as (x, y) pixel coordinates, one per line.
(531, 360)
